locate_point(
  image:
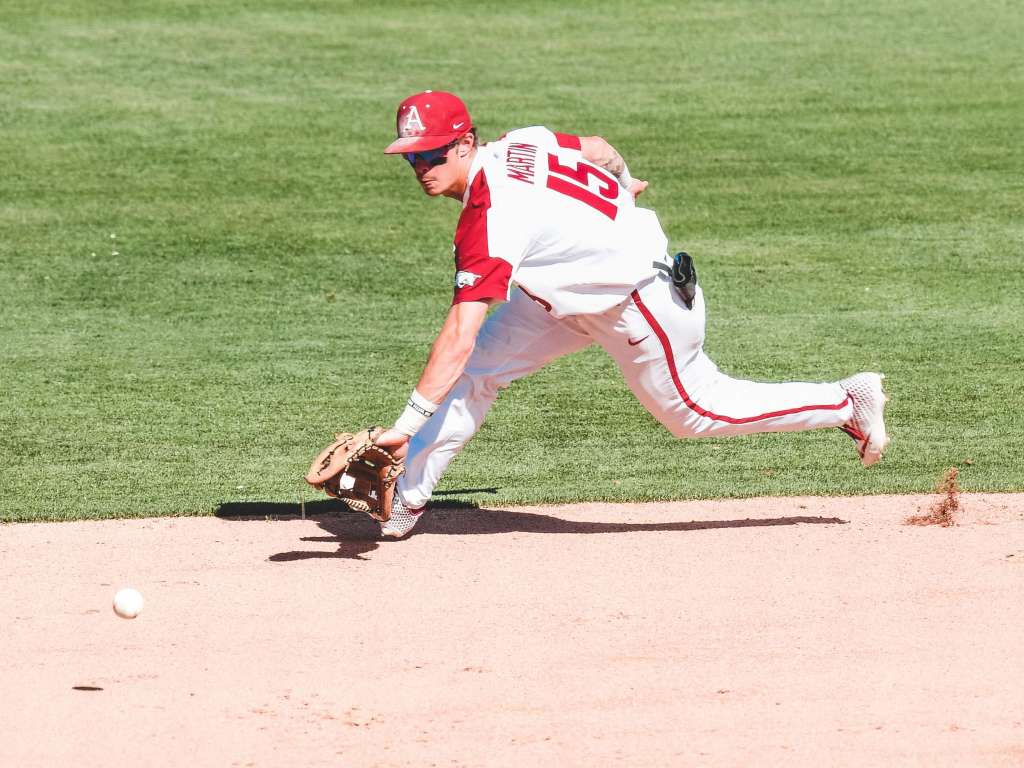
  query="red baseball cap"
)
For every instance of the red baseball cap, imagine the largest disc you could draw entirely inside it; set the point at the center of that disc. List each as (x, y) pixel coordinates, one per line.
(429, 120)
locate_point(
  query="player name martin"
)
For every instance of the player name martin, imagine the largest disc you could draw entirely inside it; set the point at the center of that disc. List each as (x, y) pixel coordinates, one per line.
(519, 161)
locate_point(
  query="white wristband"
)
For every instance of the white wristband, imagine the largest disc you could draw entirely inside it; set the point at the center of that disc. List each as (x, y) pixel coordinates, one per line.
(415, 415)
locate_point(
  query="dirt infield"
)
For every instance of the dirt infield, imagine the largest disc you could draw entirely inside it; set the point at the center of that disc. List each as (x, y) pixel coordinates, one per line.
(801, 631)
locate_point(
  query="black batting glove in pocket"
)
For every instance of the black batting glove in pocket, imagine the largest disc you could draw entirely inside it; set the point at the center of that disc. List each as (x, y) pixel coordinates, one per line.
(684, 277)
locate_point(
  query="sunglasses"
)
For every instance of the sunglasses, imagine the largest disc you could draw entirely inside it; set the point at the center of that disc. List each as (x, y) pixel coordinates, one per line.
(432, 157)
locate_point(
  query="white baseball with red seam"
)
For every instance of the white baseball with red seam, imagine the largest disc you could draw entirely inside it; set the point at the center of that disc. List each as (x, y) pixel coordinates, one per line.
(128, 603)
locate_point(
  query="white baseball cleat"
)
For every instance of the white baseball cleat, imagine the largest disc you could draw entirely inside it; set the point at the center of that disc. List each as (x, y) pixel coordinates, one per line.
(867, 424)
(403, 519)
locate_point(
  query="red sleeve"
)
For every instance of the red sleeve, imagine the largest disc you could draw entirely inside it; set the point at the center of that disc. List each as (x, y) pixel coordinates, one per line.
(567, 140)
(478, 275)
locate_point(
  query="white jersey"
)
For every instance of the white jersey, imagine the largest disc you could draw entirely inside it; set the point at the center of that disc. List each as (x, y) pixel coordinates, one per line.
(538, 215)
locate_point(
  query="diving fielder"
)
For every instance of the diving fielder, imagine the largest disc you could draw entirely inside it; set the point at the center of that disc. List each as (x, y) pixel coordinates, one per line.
(550, 229)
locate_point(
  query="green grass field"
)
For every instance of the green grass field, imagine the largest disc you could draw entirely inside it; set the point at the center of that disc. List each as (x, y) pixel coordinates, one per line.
(207, 265)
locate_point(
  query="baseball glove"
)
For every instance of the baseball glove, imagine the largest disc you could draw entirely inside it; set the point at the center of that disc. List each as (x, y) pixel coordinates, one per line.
(359, 472)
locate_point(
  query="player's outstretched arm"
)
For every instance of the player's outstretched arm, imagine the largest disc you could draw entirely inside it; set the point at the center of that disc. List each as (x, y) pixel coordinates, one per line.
(451, 350)
(448, 358)
(599, 152)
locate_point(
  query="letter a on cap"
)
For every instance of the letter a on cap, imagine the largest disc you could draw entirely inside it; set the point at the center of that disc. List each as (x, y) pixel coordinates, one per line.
(413, 122)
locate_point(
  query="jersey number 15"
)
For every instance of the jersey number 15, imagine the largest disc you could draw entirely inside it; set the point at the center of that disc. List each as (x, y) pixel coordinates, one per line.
(574, 181)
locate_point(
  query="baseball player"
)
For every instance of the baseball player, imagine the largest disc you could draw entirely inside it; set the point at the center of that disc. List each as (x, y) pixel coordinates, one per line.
(549, 228)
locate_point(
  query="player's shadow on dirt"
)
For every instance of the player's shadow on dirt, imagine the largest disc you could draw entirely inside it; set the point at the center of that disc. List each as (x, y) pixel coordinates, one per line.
(464, 520)
(356, 534)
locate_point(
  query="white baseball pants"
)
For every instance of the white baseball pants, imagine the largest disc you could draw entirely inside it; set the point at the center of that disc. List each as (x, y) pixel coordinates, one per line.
(658, 345)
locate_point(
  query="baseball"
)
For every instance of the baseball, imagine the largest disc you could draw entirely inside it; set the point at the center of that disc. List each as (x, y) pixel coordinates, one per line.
(128, 603)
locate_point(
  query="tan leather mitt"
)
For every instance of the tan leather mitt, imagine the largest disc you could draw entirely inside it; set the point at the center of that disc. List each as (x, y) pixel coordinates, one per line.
(358, 472)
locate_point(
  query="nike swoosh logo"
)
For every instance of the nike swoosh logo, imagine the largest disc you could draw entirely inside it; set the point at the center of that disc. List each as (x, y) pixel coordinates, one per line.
(634, 343)
(456, 126)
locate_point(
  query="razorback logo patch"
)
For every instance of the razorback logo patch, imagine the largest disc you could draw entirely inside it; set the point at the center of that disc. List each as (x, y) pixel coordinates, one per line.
(464, 279)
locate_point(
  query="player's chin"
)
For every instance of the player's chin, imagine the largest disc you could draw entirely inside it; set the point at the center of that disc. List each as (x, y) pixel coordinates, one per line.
(431, 188)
